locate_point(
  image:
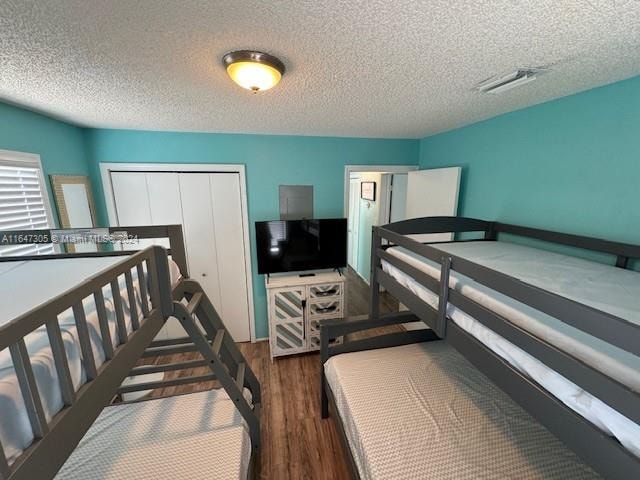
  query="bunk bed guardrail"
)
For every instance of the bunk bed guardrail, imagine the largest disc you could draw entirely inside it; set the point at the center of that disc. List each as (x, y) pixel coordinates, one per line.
(601, 451)
(56, 438)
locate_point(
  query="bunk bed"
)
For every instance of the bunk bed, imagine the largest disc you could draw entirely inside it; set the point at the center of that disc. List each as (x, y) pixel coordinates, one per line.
(75, 325)
(547, 339)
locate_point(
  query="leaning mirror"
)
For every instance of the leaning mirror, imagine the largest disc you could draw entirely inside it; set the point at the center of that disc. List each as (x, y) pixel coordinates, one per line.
(74, 200)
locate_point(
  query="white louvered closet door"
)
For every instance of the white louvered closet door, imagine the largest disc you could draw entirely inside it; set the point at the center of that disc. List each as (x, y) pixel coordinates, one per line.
(23, 205)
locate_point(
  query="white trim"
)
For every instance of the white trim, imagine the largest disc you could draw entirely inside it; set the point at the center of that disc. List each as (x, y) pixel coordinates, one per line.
(349, 169)
(33, 160)
(105, 173)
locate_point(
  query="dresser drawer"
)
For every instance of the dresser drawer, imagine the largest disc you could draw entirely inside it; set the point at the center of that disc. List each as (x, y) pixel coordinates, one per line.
(314, 342)
(325, 290)
(329, 307)
(314, 336)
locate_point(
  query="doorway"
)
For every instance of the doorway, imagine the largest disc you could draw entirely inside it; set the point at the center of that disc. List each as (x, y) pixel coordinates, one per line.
(370, 205)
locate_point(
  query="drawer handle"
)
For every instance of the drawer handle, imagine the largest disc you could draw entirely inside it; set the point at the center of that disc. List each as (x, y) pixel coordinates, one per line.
(327, 293)
(330, 308)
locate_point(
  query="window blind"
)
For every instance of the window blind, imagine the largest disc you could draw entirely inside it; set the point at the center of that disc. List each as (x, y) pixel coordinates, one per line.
(22, 205)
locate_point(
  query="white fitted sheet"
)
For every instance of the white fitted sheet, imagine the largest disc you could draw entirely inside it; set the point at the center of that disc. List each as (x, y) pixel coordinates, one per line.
(607, 288)
(26, 285)
(422, 411)
(196, 436)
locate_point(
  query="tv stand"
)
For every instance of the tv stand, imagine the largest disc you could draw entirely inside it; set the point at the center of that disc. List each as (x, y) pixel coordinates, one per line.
(296, 303)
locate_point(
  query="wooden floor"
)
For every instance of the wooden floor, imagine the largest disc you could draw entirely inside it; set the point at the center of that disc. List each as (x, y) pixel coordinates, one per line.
(296, 442)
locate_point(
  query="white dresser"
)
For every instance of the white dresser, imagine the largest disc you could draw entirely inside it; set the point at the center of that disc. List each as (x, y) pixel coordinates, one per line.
(296, 304)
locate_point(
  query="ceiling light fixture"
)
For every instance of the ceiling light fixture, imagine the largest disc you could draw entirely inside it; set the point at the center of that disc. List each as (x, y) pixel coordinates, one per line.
(255, 71)
(501, 84)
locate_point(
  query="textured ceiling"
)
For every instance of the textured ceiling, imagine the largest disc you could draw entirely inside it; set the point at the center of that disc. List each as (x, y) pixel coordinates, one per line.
(376, 68)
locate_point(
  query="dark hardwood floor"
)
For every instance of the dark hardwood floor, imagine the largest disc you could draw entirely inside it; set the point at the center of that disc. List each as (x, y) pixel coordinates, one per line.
(296, 442)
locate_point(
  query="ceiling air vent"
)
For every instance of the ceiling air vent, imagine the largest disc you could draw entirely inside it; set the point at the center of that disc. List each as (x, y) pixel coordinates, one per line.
(503, 83)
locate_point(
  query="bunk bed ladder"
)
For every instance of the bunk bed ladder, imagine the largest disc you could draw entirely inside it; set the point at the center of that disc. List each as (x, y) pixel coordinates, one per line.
(220, 352)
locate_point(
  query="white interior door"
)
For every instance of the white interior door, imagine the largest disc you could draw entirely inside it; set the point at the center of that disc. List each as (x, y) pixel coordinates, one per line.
(398, 210)
(433, 193)
(200, 234)
(212, 222)
(165, 203)
(132, 202)
(353, 222)
(230, 250)
(209, 207)
(149, 198)
(131, 198)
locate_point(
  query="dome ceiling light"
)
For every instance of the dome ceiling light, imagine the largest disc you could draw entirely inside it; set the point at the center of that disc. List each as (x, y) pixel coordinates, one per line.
(255, 71)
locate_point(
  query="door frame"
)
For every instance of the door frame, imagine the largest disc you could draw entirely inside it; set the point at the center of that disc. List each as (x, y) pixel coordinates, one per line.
(105, 174)
(351, 247)
(349, 169)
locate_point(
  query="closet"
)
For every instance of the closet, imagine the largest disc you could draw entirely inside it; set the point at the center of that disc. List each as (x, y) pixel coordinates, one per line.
(209, 208)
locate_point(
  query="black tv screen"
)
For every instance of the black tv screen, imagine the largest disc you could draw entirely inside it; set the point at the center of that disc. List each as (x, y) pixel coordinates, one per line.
(299, 245)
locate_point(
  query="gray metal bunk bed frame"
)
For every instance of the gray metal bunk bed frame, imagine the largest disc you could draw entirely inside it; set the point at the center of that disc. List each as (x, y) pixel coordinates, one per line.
(601, 451)
(55, 440)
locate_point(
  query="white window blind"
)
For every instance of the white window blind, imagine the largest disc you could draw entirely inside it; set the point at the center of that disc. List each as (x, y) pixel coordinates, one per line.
(23, 202)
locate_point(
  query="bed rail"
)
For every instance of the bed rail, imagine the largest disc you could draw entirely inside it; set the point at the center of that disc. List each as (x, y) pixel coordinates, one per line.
(148, 270)
(46, 236)
(611, 458)
(55, 439)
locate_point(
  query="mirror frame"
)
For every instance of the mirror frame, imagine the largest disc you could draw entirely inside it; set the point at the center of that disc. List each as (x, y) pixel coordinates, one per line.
(57, 183)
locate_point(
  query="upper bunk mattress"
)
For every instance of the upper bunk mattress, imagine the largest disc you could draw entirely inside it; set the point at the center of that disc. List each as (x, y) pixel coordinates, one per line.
(195, 436)
(609, 289)
(423, 411)
(29, 284)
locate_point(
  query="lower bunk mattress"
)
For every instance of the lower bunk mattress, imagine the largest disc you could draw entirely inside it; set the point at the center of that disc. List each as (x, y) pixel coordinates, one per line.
(423, 411)
(610, 289)
(195, 436)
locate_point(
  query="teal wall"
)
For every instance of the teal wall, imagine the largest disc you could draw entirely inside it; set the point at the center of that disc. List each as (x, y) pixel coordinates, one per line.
(572, 164)
(270, 161)
(61, 146)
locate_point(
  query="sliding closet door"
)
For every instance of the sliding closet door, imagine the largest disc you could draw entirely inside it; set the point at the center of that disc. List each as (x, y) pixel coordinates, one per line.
(230, 249)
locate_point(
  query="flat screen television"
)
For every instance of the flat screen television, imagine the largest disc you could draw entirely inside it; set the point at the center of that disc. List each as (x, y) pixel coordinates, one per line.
(299, 245)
